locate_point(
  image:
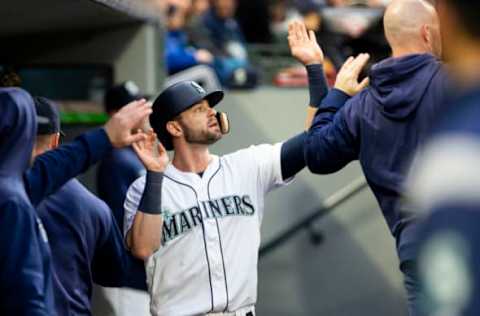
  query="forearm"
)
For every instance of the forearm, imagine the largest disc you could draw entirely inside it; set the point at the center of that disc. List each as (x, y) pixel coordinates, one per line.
(292, 157)
(330, 105)
(318, 89)
(53, 169)
(329, 145)
(146, 233)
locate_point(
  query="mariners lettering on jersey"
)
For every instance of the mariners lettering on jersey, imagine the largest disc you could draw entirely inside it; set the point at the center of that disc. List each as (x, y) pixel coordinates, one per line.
(176, 224)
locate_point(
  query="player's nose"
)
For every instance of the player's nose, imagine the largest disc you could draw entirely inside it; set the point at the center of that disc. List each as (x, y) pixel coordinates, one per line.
(212, 112)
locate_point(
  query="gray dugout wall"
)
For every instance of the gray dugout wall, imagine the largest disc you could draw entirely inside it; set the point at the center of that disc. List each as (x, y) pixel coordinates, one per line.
(134, 51)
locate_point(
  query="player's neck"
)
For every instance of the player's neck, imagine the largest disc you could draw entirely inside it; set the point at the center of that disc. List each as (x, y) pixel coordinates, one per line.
(192, 158)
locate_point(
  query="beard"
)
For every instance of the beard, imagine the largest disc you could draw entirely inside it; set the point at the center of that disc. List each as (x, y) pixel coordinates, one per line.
(203, 137)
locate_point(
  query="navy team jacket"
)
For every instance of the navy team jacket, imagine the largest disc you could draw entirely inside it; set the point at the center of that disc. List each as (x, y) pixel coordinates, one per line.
(25, 283)
(381, 127)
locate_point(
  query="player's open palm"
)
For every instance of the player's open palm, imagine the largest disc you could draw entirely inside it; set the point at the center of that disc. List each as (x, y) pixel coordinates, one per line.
(152, 153)
(348, 76)
(303, 44)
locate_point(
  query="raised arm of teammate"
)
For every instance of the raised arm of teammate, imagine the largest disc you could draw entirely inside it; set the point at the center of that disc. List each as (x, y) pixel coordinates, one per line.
(304, 47)
(53, 169)
(144, 238)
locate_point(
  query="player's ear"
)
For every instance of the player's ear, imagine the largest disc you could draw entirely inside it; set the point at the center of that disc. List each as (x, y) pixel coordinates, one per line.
(174, 129)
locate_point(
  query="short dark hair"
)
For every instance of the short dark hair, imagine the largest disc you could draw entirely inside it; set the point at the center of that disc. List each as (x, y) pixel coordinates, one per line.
(120, 95)
(9, 77)
(468, 12)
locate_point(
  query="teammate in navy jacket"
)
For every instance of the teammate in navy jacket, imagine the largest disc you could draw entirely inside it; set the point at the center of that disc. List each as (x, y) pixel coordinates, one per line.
(383, 125)
(25, 260)
(25, 279)
(120, 166)
(86, 243)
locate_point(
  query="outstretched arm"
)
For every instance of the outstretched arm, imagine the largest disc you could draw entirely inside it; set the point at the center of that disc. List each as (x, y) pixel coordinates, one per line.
(145, 236)
(304, 47)
(330, 143)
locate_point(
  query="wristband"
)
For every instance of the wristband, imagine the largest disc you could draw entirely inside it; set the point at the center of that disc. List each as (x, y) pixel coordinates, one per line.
(317, 84)
(151, 202)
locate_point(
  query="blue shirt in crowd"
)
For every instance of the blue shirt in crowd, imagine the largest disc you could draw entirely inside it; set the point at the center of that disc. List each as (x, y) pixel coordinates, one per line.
(178, 54)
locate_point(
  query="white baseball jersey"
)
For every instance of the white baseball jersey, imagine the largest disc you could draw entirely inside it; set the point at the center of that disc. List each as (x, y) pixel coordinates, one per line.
(211, 233)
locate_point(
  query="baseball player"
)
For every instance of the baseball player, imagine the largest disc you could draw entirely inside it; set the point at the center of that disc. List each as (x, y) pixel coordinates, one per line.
(198, 225)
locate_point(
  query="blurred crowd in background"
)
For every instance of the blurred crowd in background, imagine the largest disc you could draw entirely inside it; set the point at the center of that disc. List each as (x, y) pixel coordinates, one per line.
(222, 36)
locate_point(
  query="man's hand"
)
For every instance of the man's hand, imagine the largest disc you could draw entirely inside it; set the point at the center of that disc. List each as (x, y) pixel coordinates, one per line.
(152, 153)
(120, 127)
(347, 78)
(303, 44)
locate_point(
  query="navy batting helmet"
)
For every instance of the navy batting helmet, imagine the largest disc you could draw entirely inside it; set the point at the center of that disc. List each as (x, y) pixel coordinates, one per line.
(175, 100)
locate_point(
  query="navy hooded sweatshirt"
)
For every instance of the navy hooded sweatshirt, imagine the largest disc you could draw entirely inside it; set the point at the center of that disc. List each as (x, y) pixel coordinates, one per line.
(381, 127)
(86, 246)
(25, 283)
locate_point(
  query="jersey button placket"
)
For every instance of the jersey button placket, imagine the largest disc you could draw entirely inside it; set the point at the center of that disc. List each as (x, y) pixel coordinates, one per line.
(214, 253)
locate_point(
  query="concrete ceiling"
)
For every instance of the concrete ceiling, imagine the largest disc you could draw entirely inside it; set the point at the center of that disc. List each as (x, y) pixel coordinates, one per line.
(29, 17)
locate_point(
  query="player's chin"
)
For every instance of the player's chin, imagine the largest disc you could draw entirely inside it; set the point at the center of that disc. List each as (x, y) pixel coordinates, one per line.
(214, 136)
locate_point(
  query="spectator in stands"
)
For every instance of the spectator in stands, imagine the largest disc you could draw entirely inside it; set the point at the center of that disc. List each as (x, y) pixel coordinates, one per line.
(232, 64)
(282, 13)
(179, 54)
(253, 18)
(344, 31)
(200, 7)
(333, 43)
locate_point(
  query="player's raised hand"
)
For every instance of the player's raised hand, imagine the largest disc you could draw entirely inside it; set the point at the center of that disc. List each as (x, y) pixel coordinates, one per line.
(129, 118)
(347, 78)
(303, 44)
(151, 152)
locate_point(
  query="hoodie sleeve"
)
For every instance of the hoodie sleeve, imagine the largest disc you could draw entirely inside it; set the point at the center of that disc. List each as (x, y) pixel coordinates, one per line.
(112, 264)
(330, 145)
(21, 268)
(54, 168)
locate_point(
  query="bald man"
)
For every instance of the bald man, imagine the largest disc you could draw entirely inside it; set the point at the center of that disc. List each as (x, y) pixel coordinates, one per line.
(383, 125)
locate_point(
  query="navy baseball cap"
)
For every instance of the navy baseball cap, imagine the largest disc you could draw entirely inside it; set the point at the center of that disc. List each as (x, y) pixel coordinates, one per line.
(175, 100)
(48, 119)
(120, 95)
